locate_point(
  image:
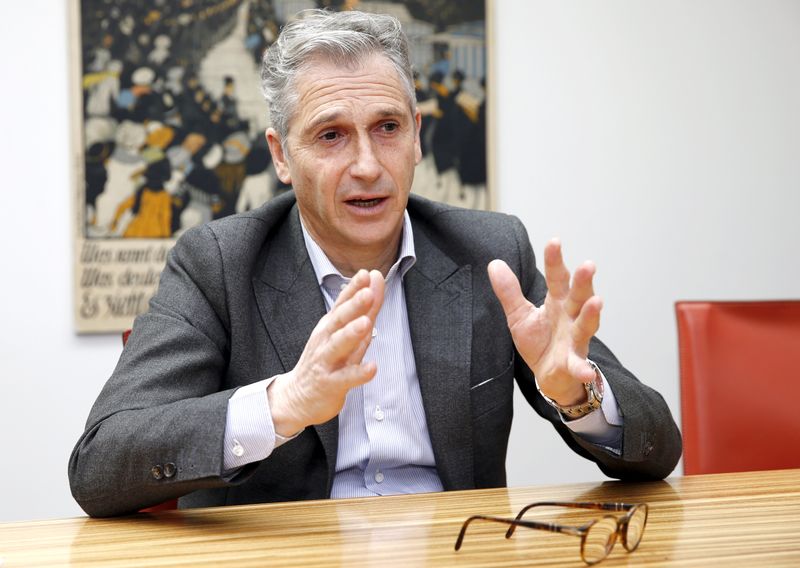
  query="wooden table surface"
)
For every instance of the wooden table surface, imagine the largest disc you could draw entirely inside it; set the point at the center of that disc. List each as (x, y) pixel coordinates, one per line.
(743, 519)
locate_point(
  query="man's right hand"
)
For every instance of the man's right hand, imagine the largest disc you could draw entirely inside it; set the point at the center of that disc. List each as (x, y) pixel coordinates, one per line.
(331, 364)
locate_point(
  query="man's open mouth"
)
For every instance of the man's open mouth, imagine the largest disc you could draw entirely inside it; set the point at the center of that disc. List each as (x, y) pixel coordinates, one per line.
(365, 202)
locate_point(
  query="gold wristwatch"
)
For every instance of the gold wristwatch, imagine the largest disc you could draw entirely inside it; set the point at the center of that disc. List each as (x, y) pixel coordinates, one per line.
(594, 396)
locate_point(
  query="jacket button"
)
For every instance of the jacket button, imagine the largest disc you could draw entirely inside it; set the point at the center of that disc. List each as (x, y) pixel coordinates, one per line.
(169, 469)
(157, 472)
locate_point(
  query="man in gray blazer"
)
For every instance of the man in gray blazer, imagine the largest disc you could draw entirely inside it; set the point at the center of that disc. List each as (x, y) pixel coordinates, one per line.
(346, 338)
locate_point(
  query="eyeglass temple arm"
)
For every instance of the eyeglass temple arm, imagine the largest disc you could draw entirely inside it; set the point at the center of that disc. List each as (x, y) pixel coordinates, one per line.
(550, 527)
(571, 505)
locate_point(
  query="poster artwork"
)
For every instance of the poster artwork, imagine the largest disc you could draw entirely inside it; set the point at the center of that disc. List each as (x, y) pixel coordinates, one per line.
(171, 122)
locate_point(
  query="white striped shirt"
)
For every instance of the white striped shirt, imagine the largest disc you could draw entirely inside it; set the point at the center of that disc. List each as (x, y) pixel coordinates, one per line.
(384, 446)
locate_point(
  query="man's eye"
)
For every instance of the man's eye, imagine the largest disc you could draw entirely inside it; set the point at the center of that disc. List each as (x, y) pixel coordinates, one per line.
(390, 126)
(329, 136)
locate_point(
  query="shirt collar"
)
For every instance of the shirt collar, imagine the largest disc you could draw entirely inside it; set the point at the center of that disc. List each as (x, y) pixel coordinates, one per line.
(323, 267)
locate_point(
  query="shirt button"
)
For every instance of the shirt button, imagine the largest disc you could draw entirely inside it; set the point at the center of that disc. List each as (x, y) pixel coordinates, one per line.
(379, 415)
(374, 332)
(169, 469)
(379, 477)
(157, 472)
(237, 449)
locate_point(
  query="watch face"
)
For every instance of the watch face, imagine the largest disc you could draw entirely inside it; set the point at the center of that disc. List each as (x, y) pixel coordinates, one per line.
(598, 384)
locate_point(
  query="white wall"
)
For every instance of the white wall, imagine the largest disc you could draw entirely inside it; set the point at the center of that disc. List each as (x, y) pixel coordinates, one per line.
(49, 377)
(660, 139)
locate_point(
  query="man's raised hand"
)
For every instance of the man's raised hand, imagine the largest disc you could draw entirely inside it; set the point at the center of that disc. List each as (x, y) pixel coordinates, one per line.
(553, 339)
(331, 363)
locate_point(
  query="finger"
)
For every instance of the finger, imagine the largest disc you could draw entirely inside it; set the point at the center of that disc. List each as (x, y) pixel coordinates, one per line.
(352, 376)
(507, 289)
(344, 342)
(555, 271)
(342, 314)
(586, 324)
(581, 290)
(377, 284)
(359, 280)
(358, 353)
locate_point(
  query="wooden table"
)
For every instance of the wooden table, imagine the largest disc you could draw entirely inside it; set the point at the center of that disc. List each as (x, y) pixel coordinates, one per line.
(743, 519)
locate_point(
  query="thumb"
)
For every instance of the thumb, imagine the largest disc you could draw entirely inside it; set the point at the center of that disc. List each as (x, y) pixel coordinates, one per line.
(506, 287)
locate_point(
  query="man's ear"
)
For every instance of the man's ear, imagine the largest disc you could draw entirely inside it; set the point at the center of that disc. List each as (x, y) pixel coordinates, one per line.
(278, 156)
(417, 142)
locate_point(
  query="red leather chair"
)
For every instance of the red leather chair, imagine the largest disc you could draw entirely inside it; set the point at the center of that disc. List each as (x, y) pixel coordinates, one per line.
(166, 505)
(740, 385)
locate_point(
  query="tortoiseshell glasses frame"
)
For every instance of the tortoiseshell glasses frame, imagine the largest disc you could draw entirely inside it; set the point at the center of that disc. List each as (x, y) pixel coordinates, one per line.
(597, 537)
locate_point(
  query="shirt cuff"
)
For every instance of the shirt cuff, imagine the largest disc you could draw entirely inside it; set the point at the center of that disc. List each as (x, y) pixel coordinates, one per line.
(602, 428)
(249, 431)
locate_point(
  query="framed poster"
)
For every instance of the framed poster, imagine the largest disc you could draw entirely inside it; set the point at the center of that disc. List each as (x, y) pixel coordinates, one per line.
(170, 122)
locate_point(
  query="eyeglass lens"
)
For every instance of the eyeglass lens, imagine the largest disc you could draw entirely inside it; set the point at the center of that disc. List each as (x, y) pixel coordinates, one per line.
(599, 540)
(635, 529)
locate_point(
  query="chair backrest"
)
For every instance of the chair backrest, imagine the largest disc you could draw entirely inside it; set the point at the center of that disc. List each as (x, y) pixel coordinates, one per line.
(740, 385)
(166, 505)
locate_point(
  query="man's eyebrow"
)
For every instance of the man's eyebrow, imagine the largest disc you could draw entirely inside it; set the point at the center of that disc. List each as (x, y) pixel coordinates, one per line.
(334, 115)
(324, 118)
(390, 111)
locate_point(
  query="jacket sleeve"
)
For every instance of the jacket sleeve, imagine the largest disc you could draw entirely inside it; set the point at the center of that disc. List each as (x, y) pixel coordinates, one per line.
(651, 441)
(156, 430)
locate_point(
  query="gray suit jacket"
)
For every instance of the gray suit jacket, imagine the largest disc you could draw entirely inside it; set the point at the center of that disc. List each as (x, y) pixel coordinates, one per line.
(236, 303)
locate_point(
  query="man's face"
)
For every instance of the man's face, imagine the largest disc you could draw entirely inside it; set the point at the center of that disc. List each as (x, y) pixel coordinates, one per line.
(350, 154)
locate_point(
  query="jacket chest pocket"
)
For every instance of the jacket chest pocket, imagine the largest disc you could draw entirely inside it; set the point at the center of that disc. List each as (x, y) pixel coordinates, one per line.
(493, 392)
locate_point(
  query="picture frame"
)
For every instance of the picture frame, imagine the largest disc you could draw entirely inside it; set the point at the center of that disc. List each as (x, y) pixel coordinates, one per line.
(169, 121)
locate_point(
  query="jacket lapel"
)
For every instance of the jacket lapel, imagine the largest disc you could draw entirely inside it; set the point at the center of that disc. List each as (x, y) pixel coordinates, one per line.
(291, 305)
(439, 301)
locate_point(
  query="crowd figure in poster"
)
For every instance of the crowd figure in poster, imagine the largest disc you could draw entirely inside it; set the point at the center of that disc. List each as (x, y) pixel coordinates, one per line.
(454, 133)
(163, 153)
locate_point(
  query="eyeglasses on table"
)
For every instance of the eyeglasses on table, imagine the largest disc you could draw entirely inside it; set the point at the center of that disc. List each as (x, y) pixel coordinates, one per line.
(597, 537)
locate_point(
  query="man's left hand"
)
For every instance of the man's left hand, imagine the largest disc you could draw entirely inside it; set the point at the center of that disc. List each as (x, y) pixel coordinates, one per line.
(553, 339)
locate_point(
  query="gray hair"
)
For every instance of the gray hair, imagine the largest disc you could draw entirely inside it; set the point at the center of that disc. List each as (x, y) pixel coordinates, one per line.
(342, 37)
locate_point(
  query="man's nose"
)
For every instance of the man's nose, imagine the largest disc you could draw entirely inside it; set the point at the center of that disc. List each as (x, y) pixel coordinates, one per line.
(365, 163)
